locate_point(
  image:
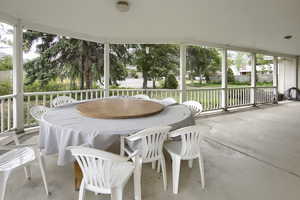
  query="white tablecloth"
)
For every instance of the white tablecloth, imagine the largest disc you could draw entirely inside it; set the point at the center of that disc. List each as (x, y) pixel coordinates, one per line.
(65, 126)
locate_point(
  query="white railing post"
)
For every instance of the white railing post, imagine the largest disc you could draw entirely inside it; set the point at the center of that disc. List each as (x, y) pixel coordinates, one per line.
(253, 79)
(106, 70)
(182, 84)
(224, 80)
(18, 104)
(275, 79)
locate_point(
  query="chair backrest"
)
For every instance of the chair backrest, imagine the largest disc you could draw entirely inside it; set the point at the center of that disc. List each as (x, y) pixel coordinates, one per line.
(38, 111)
(96, 166)
(191, 138)
(142, 96)
(62, 100)
(152, 141)
(168, 101)
(195, 107)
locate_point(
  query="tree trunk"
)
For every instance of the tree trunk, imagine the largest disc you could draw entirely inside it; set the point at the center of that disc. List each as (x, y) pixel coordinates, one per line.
(153, 84)
(200, 77)
(145, 80)
(87, 65)
(88, 74)
(82, 74)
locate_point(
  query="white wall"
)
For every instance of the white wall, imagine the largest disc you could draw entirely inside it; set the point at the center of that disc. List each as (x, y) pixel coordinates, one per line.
(286, 74)
(5, 75)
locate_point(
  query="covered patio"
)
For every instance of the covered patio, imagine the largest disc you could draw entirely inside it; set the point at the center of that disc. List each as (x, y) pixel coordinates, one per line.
(251, 150)
(243, 160)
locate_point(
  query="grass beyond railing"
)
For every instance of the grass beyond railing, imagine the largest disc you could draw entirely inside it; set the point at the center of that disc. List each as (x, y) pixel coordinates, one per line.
(210, 98)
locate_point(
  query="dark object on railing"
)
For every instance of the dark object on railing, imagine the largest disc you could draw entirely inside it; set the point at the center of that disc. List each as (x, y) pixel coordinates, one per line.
(281, 97)
(293, 94)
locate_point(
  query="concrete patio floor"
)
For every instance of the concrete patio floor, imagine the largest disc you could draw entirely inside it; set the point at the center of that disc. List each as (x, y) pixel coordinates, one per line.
(249, 154)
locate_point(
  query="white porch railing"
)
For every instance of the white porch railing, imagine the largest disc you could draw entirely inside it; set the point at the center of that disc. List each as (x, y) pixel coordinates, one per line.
(152, 93)
(238, 96)
(6, 109)
(45, 99)
(210, 98)
(264, 95)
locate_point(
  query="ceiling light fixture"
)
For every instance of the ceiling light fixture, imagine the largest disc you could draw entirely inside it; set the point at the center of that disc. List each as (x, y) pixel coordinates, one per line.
(122, 5)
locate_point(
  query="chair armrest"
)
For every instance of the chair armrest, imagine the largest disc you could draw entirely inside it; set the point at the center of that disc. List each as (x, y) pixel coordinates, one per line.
(131, 156)
(134, 137)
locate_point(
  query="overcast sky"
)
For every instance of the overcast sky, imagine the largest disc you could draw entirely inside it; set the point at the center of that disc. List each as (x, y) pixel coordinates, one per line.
(7, 49)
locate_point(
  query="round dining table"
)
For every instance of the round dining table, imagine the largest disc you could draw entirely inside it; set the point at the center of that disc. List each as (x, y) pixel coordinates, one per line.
(70, 125)
(66, 126)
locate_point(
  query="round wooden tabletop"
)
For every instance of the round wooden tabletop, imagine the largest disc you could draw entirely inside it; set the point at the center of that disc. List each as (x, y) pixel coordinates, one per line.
(119, 108)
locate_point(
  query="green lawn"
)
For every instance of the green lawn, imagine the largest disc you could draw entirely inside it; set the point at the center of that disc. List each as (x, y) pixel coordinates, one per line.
(212, 85)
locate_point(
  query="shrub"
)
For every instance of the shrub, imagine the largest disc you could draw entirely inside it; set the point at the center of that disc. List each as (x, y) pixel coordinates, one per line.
(171, 82)
(5, 88)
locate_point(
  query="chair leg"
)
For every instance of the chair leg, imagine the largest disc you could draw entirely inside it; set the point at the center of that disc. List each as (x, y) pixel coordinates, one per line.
(43, 172)
(137, 178)
(3, 183)
(122, 145)
(117, 193)
(201, 166)
(176, 171)
(27, 172)
(164, 171)
(158, 166)
(191, 163)
(153, 164)
(82, 191)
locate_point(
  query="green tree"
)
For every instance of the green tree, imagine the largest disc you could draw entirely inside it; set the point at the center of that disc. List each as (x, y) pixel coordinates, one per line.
(260, 60)
(202, 62)
(240, 60)
(171, 82)
(156, 61)
(230, 75)
(6, 63)
(64, 57)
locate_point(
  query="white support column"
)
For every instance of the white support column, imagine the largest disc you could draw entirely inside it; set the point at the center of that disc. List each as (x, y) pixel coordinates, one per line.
(106, 70)
(253, 78)
(224, 79)
(18, 104)
(275, 79)
(182, 72)
(297, 71)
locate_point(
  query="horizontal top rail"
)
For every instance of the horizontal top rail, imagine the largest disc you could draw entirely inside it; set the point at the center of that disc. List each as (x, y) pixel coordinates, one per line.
(61, 92)
(7, 96)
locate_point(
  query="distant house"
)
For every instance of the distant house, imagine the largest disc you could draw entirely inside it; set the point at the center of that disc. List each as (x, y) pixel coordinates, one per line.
(246, 70)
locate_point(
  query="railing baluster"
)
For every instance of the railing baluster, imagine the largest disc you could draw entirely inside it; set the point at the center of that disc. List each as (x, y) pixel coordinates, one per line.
(2, 115)
(44, 100)
(8, 114)
(36, 100)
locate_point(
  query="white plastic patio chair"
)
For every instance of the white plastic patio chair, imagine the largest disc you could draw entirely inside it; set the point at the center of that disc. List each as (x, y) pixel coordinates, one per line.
(142, 96)
(19, 155)
(168, 101)
(38, 111)
(195, 107)
(149, 145)
(103, 172)
(62, 100)
(186, 149)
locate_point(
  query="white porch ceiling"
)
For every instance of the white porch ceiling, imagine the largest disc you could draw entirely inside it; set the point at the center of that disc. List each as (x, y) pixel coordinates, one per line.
(253, 24)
